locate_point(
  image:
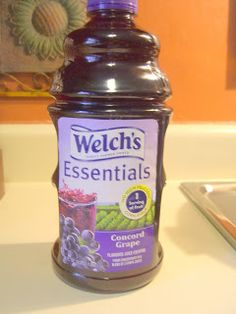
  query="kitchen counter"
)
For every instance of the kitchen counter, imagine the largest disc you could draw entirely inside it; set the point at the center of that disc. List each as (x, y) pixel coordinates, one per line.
(198, 274)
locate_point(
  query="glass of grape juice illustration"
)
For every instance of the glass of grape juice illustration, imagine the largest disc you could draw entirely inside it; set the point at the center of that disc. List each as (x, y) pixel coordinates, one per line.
(80, 207)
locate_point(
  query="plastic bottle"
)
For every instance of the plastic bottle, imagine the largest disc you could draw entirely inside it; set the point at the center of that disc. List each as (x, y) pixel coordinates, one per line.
(111, 122)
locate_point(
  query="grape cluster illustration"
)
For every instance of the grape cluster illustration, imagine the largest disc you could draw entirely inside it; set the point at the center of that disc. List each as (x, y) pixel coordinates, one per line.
(79, 249)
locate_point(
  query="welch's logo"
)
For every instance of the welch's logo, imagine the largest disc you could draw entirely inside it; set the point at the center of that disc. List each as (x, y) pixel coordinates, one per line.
(94, 145)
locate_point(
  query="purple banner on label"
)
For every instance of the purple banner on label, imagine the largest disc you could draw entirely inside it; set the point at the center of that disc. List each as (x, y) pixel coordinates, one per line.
(126, 250)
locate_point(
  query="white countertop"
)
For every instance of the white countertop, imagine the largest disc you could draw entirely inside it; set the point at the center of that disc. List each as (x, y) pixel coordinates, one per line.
(198, 275)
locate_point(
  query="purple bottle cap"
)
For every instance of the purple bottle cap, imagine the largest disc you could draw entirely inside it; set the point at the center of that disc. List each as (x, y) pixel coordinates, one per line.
(128, 5)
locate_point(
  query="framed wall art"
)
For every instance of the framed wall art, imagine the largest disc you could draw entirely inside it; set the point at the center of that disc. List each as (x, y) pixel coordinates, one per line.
(31, 42)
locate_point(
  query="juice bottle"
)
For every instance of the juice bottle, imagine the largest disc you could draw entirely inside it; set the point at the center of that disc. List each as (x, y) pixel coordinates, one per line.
(111, 121)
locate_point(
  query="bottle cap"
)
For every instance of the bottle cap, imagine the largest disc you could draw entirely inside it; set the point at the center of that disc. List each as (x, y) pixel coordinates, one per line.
(127, 5)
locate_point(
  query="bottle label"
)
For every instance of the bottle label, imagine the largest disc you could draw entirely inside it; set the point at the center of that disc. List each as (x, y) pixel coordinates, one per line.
(107, 193)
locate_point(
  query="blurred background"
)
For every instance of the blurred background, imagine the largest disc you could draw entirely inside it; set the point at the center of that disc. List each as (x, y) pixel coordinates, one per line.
(198, 53)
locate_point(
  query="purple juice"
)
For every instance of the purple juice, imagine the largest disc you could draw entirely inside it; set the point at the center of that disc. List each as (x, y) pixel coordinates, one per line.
(111, 122)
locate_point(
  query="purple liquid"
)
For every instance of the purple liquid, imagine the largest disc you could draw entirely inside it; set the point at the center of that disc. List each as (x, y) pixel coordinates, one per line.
(110, 72)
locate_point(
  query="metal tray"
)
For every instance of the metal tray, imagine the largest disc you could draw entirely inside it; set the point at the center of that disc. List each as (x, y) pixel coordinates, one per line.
(217, 201)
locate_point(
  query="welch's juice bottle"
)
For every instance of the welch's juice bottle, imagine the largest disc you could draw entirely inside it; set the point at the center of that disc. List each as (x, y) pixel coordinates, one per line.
(111, 122)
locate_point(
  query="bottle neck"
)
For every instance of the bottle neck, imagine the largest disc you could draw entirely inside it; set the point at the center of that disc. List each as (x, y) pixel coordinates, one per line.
(120, 17)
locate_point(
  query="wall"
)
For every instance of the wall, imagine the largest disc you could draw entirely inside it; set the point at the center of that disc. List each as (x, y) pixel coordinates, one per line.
(198, 54)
